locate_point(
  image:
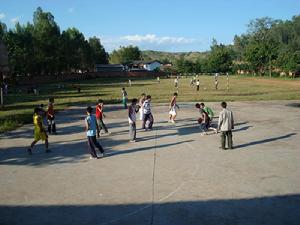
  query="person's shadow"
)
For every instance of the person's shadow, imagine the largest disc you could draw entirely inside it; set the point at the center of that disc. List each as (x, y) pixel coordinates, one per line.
(265, 140)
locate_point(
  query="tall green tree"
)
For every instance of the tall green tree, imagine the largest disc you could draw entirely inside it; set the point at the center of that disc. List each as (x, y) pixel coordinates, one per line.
(125, 55)
(99, 55)
(46, 36)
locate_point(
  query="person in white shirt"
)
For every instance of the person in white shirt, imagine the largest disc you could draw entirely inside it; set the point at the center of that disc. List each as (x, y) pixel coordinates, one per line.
(132, 110)
(226, 125)
(173, 108)
(147, 113)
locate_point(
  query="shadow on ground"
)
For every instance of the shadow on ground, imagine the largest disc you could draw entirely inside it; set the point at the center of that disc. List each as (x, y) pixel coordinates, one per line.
(272, 210)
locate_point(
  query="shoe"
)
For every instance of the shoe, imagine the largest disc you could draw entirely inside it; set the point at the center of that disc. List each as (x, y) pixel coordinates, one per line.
(108, 133)
(231, 148)
(203, 133)
(101, 155)
(91, 157)
(132, 141)
(48, 151)
(222, 148)
(172, 121)
(29, 151)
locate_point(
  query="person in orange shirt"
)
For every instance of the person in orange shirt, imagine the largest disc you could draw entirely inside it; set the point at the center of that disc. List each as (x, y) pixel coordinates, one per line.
(51, 117)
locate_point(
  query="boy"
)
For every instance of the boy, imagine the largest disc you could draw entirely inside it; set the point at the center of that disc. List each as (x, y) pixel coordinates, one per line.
(132, 110)
(147, 113)
(91, 126)
(226, 125)
(39, 131)
(203, 119)
(51, 117)
(124, 98)
(198, 85)
(99, 118)
(142, 99)
(172, 108)
(210, 114)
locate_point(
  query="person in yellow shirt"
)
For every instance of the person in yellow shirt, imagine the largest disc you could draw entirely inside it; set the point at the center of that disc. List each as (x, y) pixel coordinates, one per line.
(39, 131)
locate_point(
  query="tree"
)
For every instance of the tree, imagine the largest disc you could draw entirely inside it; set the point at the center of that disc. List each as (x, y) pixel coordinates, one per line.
(46, 36)
(125, 55)
(99, 56)
(220, 58)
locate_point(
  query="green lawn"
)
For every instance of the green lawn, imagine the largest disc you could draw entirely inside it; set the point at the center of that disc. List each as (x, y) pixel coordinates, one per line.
(19, 105)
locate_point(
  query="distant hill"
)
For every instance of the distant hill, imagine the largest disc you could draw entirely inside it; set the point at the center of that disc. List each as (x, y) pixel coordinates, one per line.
(172, 56)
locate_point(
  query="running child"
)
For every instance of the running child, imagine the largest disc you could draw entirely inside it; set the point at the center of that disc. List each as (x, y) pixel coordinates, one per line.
(39, 131)
(172, 108)
(142, 99)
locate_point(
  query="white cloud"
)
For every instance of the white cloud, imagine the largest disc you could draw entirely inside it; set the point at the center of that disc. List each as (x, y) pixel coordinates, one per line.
(153, 42)
(71, 10)
(14, 20)
(152, 38)
(2, 16)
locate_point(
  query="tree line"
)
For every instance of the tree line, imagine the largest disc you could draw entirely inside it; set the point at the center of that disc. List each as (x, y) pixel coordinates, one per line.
(40, 48)
(269, 47)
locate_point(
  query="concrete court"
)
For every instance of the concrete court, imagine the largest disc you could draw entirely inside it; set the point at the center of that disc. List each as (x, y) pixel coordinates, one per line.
(171, 176)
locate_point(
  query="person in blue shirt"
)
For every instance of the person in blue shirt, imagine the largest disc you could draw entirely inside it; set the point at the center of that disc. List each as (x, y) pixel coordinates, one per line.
(91, 128)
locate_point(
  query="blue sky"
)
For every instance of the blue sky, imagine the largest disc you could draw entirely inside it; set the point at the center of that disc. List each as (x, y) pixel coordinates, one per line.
(166, 25)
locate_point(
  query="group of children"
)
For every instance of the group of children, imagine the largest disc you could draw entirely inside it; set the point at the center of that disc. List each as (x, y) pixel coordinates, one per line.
(39, 129)
(94, 122)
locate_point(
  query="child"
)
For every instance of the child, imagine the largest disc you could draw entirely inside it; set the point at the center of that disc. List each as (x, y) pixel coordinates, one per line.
(172, 108)
(132, 110)
(210, 114)
(198, 85)
(124, 98)
(50, 117)
(142, 99)
(203, 119)
(147, 113)
(99, 118)
(91, 126)
(39, 131)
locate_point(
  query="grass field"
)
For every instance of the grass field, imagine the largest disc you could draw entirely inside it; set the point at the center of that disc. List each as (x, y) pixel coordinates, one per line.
(19, 105)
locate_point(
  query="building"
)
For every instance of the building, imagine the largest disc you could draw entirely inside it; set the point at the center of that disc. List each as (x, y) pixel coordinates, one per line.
(141, 65)
(109, 67)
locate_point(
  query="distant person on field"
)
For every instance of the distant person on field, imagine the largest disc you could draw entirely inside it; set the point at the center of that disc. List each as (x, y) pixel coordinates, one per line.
(39, 131)
(173, 108)
(132, 110)
(129, 82)
(225, 125)
(91, 128)
(203, 120)
(99, 117)
(124, 98)
(51, 117)
(176, 82)
(198, 85)
(141, 102)
(158, 80)
(216, 80)
(148, 118)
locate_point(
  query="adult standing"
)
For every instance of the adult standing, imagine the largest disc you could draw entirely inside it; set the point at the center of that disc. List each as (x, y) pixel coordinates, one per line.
(225, 125)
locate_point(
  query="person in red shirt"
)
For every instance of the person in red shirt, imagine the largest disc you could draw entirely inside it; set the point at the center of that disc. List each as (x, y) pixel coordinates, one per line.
(99, 117)
(51, 117)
